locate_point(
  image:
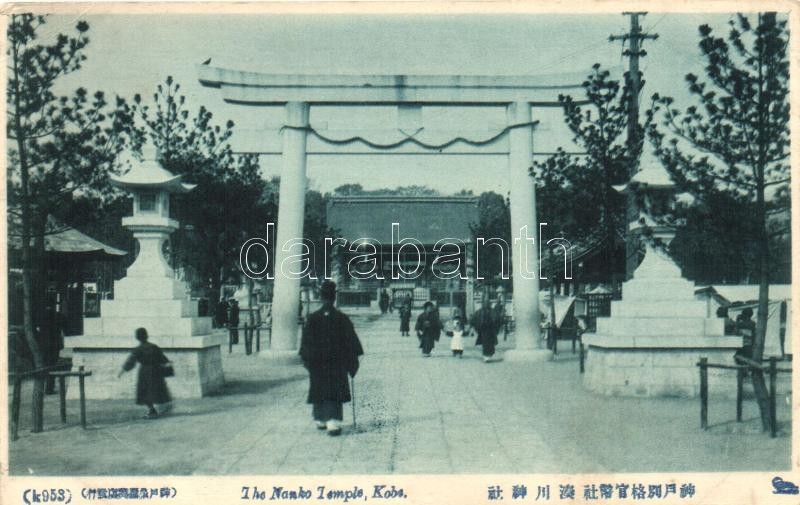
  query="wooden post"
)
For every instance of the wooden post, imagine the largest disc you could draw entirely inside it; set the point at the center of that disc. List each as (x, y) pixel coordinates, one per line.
(773, 375)
(81, 380)
(15, 401)
(248, 340)
(582, 356)
(554, 336)
(62, 398)
(38, 400)
(739, 388)
(704, 393)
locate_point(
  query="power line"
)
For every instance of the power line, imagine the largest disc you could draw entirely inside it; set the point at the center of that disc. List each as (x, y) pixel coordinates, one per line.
(658, 21)
(569, 55)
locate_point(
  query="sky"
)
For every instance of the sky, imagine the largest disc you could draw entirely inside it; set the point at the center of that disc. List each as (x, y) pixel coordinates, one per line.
(131, 54)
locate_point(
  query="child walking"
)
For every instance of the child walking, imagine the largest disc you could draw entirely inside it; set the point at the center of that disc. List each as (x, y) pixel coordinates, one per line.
(457, 343)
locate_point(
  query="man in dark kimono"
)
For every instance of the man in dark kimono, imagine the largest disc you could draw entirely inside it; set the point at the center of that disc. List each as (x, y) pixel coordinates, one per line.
(428, 328)
(383, 303)
(51, 342)
(233, 321)
(746, 327)
(485, 323)
(500, 314)
(329, 349)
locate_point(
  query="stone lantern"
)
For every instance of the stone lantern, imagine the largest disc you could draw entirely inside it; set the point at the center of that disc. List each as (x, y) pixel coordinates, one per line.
(151, 297)
(655, 335)
(150, 223)
(654, 192)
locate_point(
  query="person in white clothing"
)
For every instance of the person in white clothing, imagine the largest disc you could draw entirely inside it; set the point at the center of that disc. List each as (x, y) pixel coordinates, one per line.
(457, 334)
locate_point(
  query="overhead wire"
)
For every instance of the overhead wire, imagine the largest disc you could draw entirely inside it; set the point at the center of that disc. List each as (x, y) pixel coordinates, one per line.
(658, 21)
(567, 56)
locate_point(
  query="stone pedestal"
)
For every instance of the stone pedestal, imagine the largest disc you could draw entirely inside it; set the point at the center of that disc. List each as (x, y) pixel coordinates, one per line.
(657, 365)
(655, 336)
(157, 304)
(149, 297)
(197, 362)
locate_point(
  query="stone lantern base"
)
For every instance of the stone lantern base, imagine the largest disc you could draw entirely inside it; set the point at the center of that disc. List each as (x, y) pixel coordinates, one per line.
(149, 299)
(197, 362)
(657, 333)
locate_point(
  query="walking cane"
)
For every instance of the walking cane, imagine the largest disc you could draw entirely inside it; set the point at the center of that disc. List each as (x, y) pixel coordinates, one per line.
(353, 389)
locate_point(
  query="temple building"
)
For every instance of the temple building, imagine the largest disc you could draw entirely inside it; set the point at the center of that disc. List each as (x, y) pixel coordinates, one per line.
(401, 233)
(75, 265)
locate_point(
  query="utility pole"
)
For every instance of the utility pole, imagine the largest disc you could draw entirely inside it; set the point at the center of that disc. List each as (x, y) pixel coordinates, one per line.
(634, 52)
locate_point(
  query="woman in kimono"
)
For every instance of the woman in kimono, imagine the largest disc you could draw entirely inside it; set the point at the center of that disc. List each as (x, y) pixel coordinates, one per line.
(428, 328)
(329, 349)
(383, 303)
(151, 389)
(405, 318)
(485, 323)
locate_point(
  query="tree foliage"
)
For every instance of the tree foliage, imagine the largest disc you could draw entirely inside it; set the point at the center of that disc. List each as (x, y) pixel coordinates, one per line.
(357, 190)
(732, 144)
(59, 146)
(66, 144)
(494, 221)
(315, 229)
(231, 202)
(575, 192)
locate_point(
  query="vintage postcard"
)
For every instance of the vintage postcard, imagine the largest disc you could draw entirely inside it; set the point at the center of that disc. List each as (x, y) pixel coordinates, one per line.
(420, 253)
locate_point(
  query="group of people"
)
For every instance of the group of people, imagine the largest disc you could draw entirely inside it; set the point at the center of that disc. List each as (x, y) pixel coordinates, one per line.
(486, 323)
(330, 350)
(385, 302)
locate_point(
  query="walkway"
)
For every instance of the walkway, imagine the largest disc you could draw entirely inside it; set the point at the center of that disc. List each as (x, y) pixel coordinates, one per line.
(415, 415)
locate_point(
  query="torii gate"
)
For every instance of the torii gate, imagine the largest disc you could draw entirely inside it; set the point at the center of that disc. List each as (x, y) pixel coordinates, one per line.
(517, 94)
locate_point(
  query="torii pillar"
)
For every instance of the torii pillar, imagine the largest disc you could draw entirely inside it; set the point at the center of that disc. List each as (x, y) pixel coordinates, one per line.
(525, 252)
(408, 92)
(291, 211)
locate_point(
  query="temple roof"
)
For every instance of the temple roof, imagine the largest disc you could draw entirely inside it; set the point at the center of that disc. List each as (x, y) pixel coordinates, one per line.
(72, 241)
(426, 218)
(69, 241)
(734, 293)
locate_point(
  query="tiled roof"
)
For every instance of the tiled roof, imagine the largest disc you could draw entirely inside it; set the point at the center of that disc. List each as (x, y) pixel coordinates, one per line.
(66, 240)
(426, 218)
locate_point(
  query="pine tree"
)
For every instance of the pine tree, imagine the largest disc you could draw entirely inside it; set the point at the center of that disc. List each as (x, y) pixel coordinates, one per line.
(229, 204)
(575, 192)
(735, 141)
(58, 145)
